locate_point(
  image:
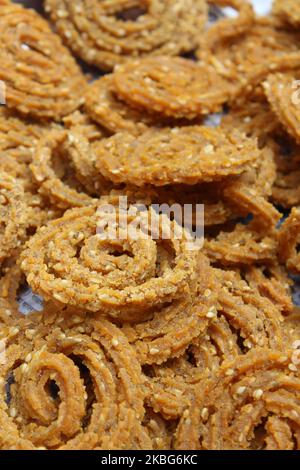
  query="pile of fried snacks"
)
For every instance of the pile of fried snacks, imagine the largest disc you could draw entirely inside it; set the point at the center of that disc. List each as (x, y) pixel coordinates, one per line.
(149, 337)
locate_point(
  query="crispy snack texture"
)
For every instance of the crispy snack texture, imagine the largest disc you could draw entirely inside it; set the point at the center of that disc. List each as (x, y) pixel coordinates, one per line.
(41, 76)
(106, 34)
(149, 226)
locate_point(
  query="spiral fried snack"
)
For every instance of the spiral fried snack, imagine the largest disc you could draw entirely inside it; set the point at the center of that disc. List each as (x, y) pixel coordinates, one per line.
(18, 141)
(287, 11)
(83, 136)
(228, 410)
(109, 33)
(55, 178)
(41, 77)
(289, 236)
(102, 104)
(169, 386)
(260, 179)
(249, 201)
(121, 273)
(244, 318)
(172, 87)
(210, 195)
(255, 241)
(142, 331)
(71, 388)
(255, 120)
(38, 208)
(249, 312)
(244, 245)
(18, 137)
(272, 281)
(247, 316)
(169, 332)
(281, 90)
(249, 58)
(250, 193)
(156, 156)
(226, 28)
(13, 216)
(160, 430)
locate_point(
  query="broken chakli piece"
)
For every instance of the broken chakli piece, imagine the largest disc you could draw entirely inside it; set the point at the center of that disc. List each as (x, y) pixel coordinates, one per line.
(143, 334)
